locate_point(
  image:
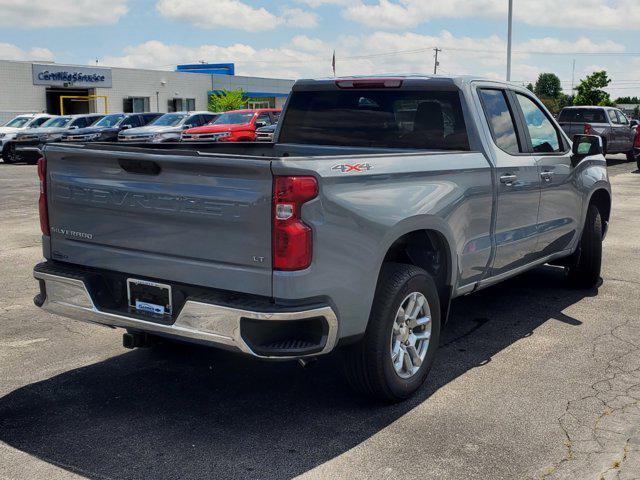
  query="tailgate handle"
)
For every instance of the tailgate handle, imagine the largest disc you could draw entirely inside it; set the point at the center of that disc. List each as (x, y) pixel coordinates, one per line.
(141, 167)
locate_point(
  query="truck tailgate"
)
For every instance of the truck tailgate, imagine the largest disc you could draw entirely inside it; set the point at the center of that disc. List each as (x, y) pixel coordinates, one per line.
(173, 215)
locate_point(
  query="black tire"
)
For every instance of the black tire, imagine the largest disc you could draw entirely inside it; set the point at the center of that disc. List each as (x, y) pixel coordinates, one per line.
(631, 156)
(585, 273)
(8, 155)
(368, 365)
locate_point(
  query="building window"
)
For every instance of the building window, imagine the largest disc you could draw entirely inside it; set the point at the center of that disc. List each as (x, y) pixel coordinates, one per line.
(135, 104)
(181, 104)
(191, 104)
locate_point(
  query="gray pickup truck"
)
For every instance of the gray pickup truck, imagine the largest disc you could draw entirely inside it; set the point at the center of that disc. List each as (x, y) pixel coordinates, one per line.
(380, 201)
(617, 131)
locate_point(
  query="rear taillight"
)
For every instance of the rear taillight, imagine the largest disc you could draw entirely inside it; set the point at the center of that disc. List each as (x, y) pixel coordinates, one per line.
(292, 238)
(42, 200)
(588, 129)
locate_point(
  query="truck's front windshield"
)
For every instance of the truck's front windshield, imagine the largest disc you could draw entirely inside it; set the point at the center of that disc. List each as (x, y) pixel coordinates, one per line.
(59, 122)
(169, 120)
(234, 118)
(110, 120)
(18, 122)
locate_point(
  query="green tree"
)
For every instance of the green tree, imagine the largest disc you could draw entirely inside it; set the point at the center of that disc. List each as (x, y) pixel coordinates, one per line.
(225, 100)
(628, 100)
(590, 90)
(548, 85)
(530, 87)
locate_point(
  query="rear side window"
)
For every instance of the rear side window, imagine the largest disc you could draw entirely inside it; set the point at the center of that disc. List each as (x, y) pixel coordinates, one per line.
(582, 115)
(431, 120)
(500, 120)
(544, 136)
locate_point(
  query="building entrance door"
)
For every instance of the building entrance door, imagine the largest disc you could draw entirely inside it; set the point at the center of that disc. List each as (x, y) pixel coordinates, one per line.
(71, 106)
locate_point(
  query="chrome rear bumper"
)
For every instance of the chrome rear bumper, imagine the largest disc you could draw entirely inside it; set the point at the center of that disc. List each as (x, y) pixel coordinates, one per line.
(199, 322)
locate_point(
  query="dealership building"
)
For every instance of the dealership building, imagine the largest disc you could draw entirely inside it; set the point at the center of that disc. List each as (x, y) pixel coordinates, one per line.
(29, 87)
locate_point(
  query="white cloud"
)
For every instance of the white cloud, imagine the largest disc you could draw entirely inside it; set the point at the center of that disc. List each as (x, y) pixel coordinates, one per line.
(298, 18)
(12, 52)
(309, 44)
(233, 14)
(382, 52)
(613, 14)
(60, 13)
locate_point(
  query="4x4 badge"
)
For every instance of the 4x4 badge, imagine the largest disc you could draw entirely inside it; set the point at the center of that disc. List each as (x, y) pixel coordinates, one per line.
(356, 167)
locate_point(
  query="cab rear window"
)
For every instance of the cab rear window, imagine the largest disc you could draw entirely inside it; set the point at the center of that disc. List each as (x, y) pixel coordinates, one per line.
(431, 120)
(582, 115)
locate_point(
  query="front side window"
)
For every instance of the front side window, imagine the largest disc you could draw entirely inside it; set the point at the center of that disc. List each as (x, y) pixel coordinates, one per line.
(622, 118)
(38, 122)
(385, 118)
(79, 122)
(544, 136)
(500, 120)
(264, 119)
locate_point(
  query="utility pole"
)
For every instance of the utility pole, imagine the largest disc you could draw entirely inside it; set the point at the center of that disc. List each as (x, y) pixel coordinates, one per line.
(435, 62)
(509, 32)
(573, 75)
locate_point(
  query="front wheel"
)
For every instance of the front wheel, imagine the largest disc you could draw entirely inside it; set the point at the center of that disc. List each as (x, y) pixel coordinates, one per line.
(393, 359)
(585, 273)
(631, 156)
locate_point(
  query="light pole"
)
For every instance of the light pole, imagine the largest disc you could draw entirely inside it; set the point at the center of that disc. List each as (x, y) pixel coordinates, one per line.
(509, 40)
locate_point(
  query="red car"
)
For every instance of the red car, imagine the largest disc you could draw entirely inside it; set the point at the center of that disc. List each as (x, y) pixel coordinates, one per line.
(233, 126)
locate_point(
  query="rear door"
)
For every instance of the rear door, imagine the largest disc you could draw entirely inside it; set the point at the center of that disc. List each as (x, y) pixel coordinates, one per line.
(518, 183)
(615, 142)
(173, 215)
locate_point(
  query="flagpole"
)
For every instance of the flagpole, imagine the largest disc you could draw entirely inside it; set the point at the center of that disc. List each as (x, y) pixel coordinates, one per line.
(333, 63)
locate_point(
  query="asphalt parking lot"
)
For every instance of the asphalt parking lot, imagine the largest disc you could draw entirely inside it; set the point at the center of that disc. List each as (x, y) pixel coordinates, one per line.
(533, 380)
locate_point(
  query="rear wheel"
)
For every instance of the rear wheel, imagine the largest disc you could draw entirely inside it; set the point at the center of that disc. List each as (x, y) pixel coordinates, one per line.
(9, 154)
(393, 359)
(585, 273)
(631, 156)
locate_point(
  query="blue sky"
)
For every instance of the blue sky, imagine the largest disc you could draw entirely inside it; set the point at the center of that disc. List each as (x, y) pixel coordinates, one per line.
(295, 38)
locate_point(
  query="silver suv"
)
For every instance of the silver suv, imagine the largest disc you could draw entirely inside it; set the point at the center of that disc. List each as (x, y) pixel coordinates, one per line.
(617, 132)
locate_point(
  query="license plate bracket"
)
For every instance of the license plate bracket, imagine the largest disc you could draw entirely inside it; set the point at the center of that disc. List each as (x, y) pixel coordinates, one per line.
(150, 298)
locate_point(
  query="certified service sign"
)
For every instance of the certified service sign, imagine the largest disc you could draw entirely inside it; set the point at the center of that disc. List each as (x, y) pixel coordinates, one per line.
(67, 75)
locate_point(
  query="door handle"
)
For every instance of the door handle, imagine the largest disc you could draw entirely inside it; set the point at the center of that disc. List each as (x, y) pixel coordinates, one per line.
(546, 175)
(508, 179)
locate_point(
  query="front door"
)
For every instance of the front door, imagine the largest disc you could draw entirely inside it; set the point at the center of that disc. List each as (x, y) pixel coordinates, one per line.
(518, 181)
(560, 200)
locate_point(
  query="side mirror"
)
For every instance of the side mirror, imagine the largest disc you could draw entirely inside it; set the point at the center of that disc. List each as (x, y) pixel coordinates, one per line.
(634, 123)
(74, 127)
(187, 126)
(260, 124)
(125, 127)
(585, 146)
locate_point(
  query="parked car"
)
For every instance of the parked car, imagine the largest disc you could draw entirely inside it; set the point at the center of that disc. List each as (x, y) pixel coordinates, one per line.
(354, 231)
(107, 128)
(22, 122)
(166, 128)
(233, 126)
(611, 124)
(265, 134)
(27, 146)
